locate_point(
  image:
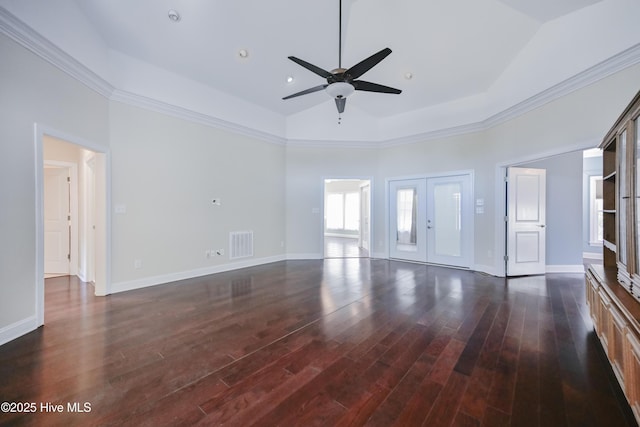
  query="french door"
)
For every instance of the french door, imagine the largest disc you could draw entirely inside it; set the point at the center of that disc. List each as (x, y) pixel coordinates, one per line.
(431, 220)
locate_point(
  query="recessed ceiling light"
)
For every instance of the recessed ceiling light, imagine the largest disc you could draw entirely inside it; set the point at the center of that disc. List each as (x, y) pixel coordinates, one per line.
(289, 79)
(408, 75)
(243, 53)
(174, 16)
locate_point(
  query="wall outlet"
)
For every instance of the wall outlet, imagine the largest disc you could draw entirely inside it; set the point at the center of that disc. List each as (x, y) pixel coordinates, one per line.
(137, 264)
(207, 253)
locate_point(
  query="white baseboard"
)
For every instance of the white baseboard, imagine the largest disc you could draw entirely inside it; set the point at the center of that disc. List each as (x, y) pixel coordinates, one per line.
(379, 255)
(172, 277)
(578, 268)
(592, 255)
(294, 257)
(486, 269)
(18, 329)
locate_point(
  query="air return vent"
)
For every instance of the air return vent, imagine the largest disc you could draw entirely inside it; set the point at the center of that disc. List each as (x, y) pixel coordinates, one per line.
(240, 244)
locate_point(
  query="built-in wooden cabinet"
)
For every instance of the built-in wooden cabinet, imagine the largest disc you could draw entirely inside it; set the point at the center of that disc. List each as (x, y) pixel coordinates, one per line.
(613, 289)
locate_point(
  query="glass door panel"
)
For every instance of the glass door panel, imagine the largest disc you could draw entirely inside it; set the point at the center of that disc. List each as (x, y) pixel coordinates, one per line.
(407, 219)
(623, 198)
(449, 219)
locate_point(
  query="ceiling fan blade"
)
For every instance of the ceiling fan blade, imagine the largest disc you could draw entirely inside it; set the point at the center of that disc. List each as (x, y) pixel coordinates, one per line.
(306, 91)
(374, 87)
(340, 103)
(319, 71)
(363, 66)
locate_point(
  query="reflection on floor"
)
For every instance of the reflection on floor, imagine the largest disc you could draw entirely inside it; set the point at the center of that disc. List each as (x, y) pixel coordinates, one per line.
(343, 247)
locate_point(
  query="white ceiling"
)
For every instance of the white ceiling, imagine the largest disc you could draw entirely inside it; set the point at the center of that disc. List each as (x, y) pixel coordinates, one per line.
(469, 54)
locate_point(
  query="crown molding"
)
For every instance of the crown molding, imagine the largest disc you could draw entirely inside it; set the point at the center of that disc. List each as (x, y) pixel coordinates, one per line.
(31, 40)
(327, 143)
(192, 116)
(435, 134)
(606, 68)
(34, 42)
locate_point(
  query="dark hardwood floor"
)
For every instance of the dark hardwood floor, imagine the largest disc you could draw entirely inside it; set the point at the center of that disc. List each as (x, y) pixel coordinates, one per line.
(343, 247)
(334, 342)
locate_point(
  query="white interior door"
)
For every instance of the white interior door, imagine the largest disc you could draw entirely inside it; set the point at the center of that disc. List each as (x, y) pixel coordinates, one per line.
(365, 207)
(449, 219)
(407, 220)
(56, 221)
(526, 233)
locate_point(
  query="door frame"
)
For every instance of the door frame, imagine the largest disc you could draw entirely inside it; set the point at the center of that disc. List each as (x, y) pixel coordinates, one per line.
(103, 213)
(323, 180)
(73, 199)
(387, 214)
(499, 267)
(365, 207)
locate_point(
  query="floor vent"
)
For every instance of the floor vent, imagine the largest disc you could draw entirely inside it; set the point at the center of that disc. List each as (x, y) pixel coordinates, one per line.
(240, 244)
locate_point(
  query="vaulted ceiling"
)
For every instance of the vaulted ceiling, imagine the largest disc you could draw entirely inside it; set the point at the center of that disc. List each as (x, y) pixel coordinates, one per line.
(456, 61)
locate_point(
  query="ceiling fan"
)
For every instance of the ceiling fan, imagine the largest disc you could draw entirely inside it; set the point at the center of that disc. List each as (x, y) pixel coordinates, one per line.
(342, 82)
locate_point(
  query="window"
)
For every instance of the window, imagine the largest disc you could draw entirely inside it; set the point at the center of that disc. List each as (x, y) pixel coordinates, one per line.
(595, 210)
(343, 211)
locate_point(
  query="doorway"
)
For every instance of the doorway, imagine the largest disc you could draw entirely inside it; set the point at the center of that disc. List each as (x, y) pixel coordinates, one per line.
(88, 205)
(347, 218)
(431, 220)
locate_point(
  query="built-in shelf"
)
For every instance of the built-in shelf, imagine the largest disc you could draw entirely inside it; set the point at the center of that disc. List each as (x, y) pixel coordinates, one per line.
(613, 288)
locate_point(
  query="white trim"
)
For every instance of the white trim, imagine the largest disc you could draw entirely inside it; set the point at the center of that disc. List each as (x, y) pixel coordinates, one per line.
(31, 40)
(24, 35)
(592, 255)
(500, 195)
(39, 130)
(344, 236)
(192, 116)
(378, 255)
(303, 256)
(183, 275)
(577, 268)
(486, 269)
(18, 329)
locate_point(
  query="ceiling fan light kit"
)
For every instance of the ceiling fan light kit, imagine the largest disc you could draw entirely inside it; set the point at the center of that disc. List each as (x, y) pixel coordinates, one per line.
(343, 82)
(340, 90)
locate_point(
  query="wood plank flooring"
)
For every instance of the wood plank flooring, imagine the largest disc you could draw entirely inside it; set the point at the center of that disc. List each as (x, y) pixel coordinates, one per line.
(338, 342)
(343, 247)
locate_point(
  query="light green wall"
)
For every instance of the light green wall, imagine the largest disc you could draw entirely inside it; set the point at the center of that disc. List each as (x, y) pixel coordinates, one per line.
(166, 171)
(32, 91)
(577, 120)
